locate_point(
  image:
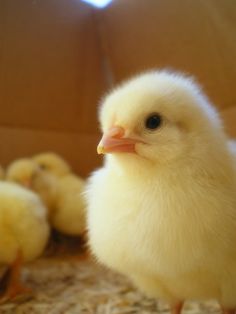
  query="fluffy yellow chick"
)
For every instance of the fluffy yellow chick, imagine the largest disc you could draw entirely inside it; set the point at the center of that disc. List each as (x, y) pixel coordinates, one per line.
(26, 172)
(162, 209)
(24, 232)
(69, 216)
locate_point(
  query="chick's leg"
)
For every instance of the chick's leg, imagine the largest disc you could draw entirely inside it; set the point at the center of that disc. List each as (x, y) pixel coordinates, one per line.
(12, 278)
(177, 308)
(68, 246)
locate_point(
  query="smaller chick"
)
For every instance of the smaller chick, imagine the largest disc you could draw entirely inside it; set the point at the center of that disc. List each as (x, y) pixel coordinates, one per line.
(24, 233)
(27, 173)
(69, 216)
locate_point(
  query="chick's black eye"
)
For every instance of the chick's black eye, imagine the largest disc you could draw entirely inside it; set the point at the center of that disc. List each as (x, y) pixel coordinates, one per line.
(153, 122)
(42, 166)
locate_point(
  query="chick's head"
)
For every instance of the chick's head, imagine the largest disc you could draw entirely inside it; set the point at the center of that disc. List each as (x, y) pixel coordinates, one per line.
(157, 116)
(27, 173)
(23, 171)
(52, 163)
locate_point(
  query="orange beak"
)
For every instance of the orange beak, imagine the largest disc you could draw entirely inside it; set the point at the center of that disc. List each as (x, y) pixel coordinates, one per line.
(114, 141)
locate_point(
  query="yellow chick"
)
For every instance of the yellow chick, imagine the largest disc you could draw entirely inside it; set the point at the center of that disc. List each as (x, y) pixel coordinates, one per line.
(69, 216)
(26, 172)
(24, 232)
(162, 209)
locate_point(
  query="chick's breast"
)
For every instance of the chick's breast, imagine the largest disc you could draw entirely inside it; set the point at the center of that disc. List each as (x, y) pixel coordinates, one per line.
(133, 229)
(108, 235)
(122, 224)
(120, 235)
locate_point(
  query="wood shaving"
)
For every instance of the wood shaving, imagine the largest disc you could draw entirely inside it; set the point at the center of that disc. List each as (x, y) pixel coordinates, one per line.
(74, 286)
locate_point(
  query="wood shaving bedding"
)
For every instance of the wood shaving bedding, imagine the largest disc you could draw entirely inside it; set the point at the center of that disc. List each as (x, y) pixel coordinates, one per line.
(73, 286)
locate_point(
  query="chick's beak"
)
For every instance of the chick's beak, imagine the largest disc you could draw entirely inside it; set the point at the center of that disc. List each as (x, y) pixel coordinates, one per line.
(114, 141)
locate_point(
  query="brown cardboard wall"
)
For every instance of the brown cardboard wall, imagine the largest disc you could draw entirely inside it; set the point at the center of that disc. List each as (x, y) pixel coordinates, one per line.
(198, 37)
(50, 80)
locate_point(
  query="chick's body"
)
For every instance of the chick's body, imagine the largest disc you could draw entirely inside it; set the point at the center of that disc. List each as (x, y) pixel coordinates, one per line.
(69, 215)
(165, 214)
(23, 223)
(168, 254)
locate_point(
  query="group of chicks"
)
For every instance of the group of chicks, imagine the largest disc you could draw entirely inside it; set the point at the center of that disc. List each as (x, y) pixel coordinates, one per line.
(36, 195)
(162, 208)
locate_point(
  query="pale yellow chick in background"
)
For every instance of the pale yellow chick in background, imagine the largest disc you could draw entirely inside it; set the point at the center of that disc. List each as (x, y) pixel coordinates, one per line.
(162, 209)
(24, 233)
(26, 172)
(69, 216)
